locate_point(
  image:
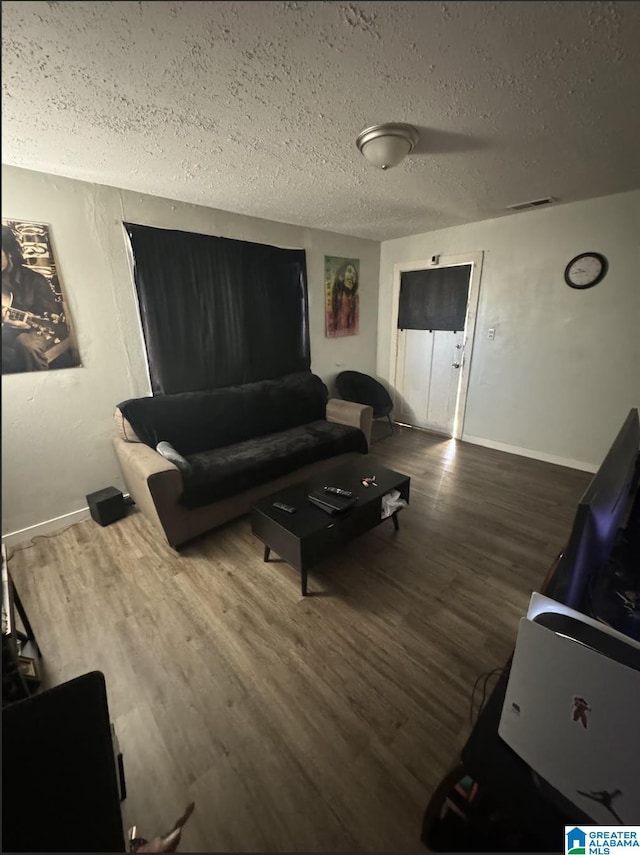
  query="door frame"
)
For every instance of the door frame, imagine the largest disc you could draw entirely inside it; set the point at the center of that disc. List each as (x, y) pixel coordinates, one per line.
(475, 259)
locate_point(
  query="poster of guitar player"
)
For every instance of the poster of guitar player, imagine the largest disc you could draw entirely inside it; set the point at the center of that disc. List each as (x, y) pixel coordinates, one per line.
(341, 283)
(36, 331)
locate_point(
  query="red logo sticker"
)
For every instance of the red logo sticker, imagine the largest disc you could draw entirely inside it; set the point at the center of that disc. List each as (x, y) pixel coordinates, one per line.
(580, 710)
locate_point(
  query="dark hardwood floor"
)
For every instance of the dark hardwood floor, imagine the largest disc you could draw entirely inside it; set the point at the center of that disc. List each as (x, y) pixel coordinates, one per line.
(308, 725)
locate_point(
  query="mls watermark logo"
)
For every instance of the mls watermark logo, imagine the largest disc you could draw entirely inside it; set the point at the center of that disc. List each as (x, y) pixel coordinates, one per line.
(602, 840)
(575, 841)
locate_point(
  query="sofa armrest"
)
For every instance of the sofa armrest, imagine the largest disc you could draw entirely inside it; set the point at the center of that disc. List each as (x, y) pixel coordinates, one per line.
(348, 413)
(154, 483)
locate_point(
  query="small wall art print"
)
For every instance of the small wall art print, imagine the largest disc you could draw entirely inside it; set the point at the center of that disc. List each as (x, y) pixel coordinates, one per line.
(36, 330)
(341, 283)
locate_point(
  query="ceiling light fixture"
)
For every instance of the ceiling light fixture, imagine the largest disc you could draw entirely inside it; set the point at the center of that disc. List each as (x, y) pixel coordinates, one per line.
(386, 145)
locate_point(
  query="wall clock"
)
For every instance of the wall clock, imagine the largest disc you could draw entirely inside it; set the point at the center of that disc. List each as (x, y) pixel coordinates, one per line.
(586, 270)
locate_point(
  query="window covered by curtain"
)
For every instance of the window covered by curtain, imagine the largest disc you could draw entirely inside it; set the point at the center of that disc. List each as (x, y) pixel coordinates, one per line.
(218, 312)
(434, 299)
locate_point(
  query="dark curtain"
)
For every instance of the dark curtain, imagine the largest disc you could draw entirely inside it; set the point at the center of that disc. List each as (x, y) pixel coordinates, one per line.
(218, 312)
(434, 299)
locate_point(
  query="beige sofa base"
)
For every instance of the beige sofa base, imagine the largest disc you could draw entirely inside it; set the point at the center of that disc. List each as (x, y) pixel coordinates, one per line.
(188, 523)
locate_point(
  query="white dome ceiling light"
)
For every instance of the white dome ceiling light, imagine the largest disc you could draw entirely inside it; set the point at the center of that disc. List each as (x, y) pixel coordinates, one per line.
(386, 145)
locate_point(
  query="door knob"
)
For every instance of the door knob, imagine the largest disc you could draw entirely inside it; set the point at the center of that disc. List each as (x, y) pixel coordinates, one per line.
(455, 364)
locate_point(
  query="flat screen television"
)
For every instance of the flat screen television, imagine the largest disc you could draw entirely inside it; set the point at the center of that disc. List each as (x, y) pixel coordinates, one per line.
(605, 507)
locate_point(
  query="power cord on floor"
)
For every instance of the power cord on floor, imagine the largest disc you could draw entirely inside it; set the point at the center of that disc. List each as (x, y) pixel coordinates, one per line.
(32, 543)
(127, 499)
(487, 676)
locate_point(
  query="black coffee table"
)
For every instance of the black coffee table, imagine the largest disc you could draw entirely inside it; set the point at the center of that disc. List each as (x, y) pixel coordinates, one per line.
(310, 535)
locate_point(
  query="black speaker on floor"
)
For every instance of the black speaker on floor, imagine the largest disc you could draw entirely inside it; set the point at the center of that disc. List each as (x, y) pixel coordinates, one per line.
(107, 505)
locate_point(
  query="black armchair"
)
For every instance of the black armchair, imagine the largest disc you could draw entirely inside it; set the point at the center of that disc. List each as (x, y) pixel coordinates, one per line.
(362, 389)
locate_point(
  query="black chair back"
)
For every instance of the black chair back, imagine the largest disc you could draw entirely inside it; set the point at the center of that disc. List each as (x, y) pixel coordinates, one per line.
(363, 389)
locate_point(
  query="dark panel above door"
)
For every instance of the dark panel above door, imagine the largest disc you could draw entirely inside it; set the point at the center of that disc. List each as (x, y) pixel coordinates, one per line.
(434, 299)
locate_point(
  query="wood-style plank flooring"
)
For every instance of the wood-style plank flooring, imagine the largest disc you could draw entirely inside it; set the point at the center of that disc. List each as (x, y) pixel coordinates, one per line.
(308, 725)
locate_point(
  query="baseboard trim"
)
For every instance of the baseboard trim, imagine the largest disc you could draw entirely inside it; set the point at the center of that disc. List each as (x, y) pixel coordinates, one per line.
(529, 452)
(47, 527)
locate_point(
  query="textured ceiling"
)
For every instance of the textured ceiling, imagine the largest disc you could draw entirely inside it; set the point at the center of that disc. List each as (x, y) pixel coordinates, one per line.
(255, 107)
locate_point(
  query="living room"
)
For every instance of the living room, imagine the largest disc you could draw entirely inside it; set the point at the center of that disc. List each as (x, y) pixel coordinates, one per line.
(239, 121)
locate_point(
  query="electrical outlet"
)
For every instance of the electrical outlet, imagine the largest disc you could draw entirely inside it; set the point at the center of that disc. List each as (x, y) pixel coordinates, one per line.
(491, 334)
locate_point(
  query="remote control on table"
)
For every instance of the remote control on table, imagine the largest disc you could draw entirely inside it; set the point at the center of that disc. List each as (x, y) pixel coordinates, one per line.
(287, 508)
(338, 491)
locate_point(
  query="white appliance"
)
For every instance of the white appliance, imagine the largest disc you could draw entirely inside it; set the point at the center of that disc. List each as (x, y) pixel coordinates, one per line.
(572, 709)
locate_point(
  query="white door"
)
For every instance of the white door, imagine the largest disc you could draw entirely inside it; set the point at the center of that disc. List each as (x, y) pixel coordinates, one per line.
(430, 369)
(427, 378)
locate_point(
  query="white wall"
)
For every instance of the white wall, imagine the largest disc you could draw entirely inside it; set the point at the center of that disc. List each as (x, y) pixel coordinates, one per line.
(57, 426)
(564, 368)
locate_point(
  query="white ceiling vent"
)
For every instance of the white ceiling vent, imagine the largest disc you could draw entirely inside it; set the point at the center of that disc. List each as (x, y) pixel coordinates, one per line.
(536, 203)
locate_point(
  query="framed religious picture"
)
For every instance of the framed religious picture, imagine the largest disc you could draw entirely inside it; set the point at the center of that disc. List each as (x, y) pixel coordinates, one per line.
(36, 330)
(341, 283)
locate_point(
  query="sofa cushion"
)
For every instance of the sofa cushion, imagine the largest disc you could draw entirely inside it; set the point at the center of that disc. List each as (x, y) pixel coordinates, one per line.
(200, 421)
(223, 472)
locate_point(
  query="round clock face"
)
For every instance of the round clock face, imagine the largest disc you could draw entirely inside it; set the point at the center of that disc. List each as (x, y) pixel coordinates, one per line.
(586, 270)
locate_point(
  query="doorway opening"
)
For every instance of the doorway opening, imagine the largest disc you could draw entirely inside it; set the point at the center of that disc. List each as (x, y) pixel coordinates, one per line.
(435, 305)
